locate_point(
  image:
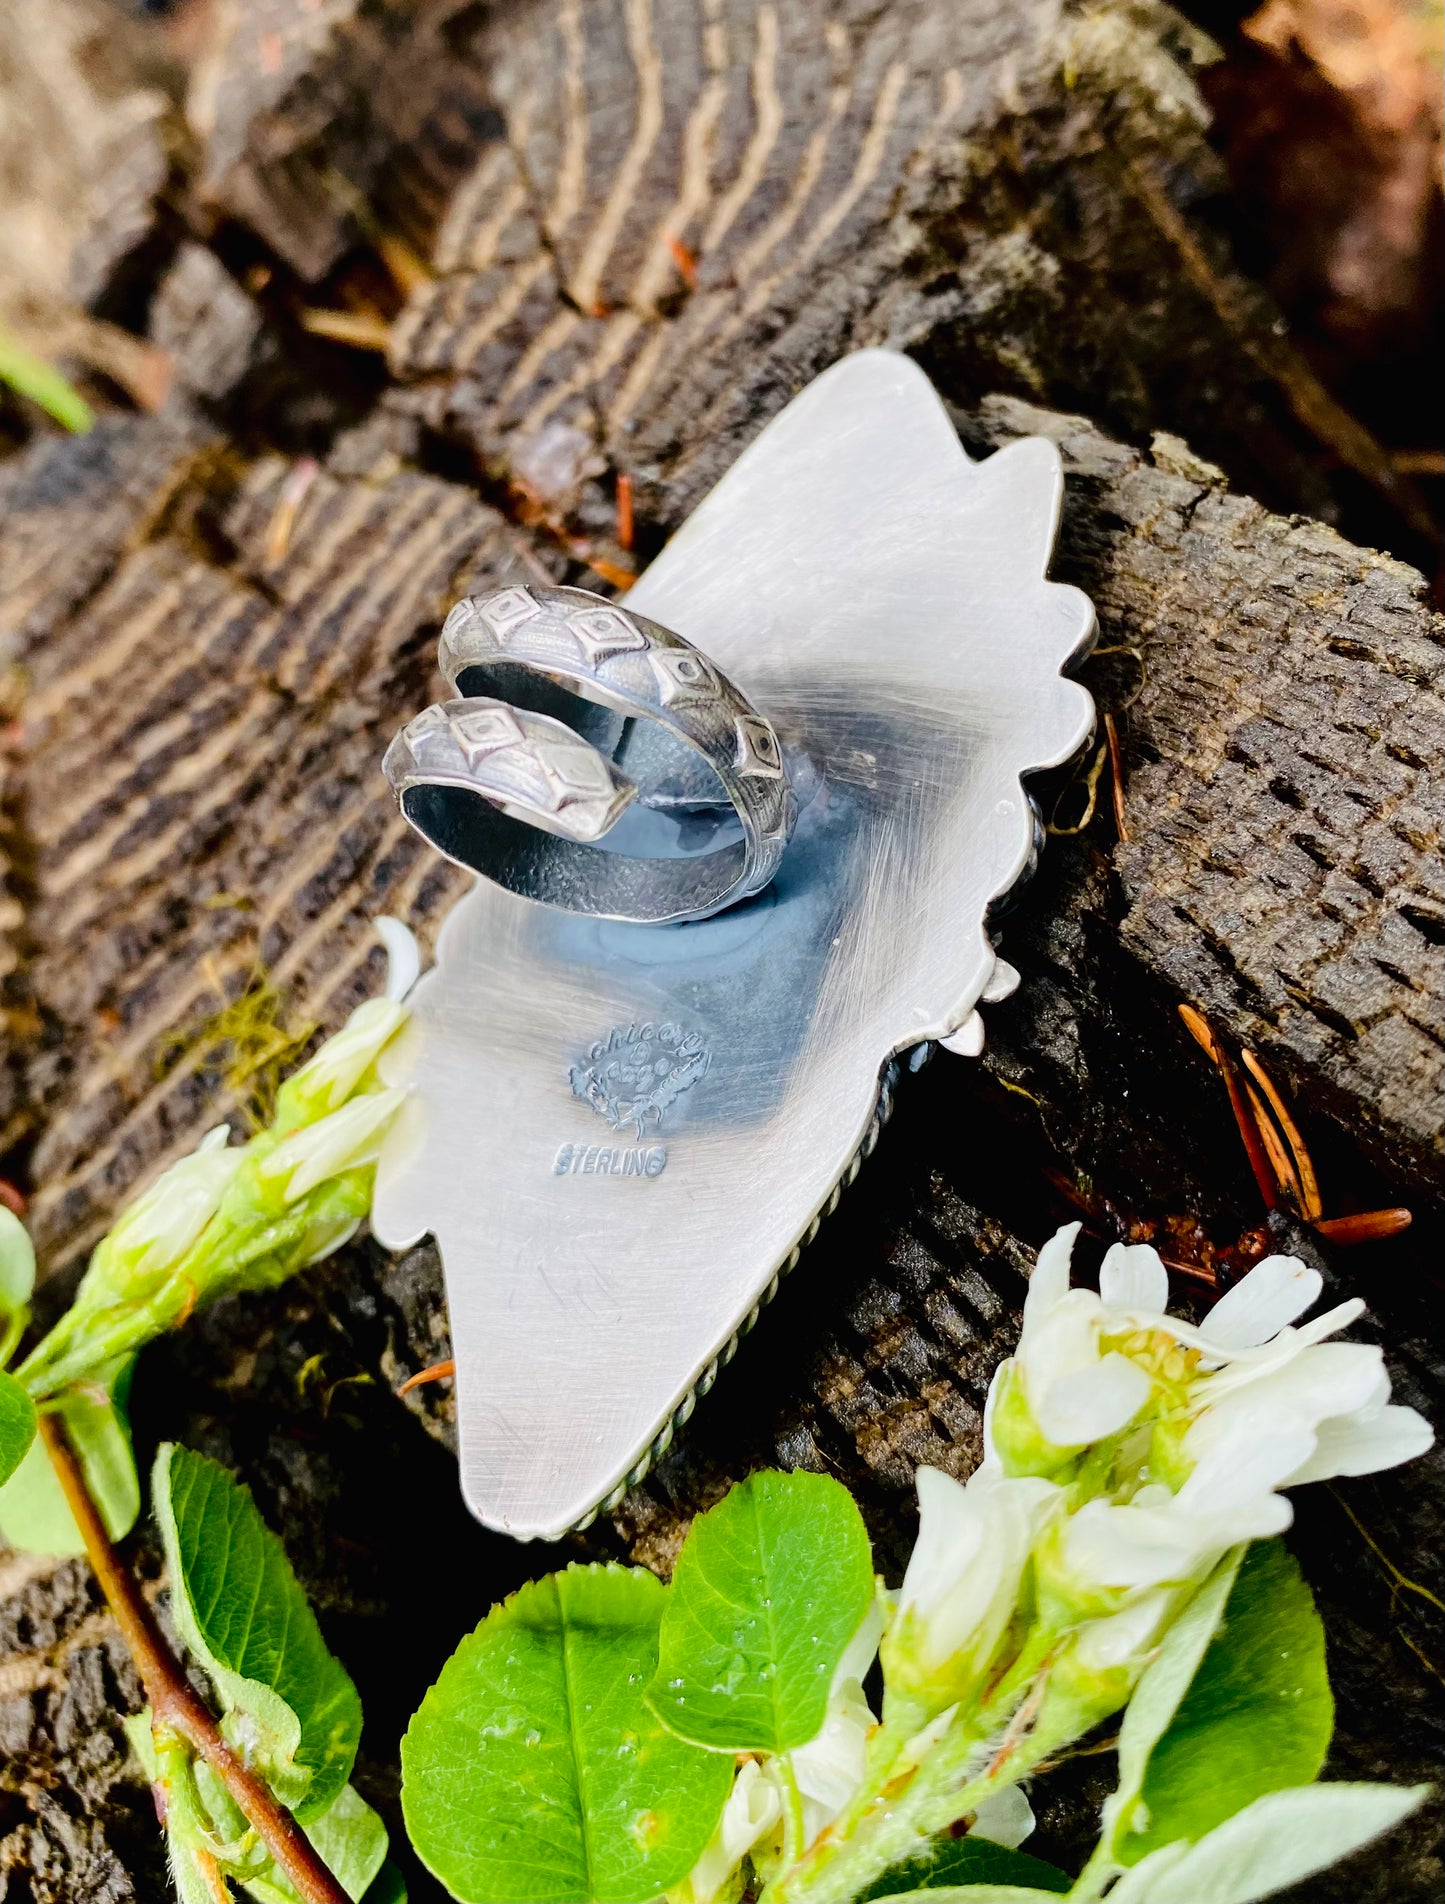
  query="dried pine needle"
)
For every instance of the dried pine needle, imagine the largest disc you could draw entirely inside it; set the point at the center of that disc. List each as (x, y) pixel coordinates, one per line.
(438, 1372)
(1310, 1203)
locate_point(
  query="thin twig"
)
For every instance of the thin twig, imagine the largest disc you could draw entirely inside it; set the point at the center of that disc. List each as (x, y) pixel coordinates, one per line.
(173, 1702)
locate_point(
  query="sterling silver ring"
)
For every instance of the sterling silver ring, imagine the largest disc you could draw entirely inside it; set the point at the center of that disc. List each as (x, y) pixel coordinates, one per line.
(594, 760)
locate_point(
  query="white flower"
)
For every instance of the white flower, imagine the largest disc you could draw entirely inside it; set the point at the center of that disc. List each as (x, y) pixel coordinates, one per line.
(1326, 1410)
(963, 1576)
(345, 1140)
(754, 1807)
(1069, 1390)
(160, 1226)
(1275, 1404)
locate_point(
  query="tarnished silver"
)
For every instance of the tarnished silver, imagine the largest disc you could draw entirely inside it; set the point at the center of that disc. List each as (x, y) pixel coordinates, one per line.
(621, 1134)
(596, 761)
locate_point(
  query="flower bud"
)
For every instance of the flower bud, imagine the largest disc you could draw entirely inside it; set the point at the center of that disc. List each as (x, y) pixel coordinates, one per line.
(346, 1140)
(960, 1592)
(1099, 1666)
(325, 1082)
(157, 1230)
(17, 1264)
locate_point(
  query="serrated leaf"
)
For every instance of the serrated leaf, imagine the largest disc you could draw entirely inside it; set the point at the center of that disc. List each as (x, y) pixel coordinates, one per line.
(34, 1513)
(534, 1768)
(1275, 1842)
(1258, 1713)
(769, 1588)
(956, 1863)
(17, 1425)
(242, 1613)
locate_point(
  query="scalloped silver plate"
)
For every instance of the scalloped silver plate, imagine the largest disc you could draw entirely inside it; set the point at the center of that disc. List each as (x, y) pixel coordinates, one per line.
(620, 1134)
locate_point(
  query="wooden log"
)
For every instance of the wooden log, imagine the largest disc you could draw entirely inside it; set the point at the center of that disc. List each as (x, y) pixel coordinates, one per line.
(657, 224)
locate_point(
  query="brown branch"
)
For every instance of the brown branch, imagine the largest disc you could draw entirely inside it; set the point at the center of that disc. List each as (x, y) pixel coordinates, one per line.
(173, 1702)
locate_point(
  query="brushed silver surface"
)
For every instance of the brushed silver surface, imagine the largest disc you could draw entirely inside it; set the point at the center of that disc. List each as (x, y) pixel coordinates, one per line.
(619, 1133)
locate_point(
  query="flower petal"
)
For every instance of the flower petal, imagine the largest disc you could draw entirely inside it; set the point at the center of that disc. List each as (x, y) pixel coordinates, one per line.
(1006, 1818)
(1132, 1277)
(1270, 1297)
(1049, 1283)
(1091, 1403)
(1121, 1637)
(1253, 1454)
(754, 1805)
(1133, 1547)
(346, 1140)
(1329, 1378)
(861, 1651)
(1364, 1444)
(403, 956)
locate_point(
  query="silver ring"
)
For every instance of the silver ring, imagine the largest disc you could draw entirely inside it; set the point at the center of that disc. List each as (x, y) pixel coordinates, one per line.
(593, 760)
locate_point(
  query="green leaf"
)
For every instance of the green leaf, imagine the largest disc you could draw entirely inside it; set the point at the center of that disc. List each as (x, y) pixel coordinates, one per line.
(30, 376)
(17, 1425)
(351, 1842)
(17, 1263)
(1275, 1842)
(1257, 1715)
(34, 1513)
(955, 1862)
(534, 1768)
(1156, 1699)
(242, 1613)
(387, 1887)
(770, 1586)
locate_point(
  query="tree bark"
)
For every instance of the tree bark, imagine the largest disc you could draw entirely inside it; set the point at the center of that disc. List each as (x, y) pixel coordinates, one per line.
(648, 225)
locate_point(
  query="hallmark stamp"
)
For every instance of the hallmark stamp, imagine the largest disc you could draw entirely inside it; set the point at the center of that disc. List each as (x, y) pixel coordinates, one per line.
(637, 1073)
(608, 1160)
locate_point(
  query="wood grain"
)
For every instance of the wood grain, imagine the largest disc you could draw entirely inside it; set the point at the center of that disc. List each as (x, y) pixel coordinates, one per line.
(645, 227)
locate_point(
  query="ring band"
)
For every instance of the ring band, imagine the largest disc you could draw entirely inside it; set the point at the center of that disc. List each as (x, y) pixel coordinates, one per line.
(578, 722)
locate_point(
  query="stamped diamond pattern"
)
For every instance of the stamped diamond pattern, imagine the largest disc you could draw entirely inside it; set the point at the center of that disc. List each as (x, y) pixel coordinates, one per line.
(757, 748)
(682, 676)
(601, 632)
(508, 609)
(483, 732)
